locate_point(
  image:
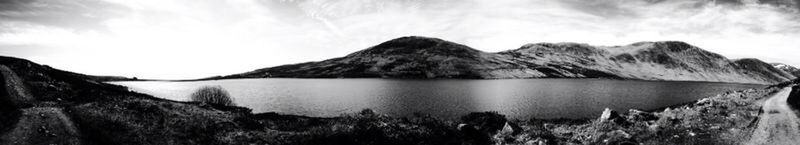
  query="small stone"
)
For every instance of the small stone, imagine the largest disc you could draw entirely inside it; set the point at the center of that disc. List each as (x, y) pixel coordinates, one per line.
(531, 142)
(507, 129)
(461, 126)
(638, 115)
(623, 134)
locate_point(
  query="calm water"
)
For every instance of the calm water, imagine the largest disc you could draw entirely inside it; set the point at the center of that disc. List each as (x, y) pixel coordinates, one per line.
(517, 98)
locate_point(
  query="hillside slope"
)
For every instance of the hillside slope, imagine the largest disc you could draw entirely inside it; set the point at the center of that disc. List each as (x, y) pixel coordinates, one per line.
(67, 108)
(70, 108)
(407, 57)
(666, 60)
(422, 57)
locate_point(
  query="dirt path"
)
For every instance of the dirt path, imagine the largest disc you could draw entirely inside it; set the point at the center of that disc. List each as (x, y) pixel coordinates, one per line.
(42, 126)
(38, 124)
(15, 88)
(779, 125)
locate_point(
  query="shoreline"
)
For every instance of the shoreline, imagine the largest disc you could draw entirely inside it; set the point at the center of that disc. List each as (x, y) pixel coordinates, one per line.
(523, 116)
(110, 114)
(433, 79)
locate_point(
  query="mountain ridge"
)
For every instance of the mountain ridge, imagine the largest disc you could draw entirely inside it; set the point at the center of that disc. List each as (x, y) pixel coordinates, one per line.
(787, 68)
(425, 57)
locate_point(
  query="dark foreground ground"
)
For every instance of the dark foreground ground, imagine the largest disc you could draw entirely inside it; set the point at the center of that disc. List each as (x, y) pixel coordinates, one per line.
(90, 112)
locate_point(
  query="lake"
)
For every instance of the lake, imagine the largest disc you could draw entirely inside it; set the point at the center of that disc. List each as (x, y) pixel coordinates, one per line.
(516, 98)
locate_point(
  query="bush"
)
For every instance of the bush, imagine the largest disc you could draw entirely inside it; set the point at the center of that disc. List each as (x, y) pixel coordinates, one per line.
(212, 95)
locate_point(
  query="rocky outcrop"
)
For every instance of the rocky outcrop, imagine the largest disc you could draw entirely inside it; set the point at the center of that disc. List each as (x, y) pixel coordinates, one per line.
(787, 68)
(422, 57)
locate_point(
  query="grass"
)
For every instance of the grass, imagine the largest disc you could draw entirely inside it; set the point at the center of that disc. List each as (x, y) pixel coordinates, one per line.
(724, 119)
(212, 95)
(367, 128)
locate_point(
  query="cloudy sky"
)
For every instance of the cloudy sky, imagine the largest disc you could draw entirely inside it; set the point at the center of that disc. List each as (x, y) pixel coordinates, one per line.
(180, 39)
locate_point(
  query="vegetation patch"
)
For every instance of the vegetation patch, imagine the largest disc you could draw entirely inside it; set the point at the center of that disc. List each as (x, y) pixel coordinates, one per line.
(212, 95)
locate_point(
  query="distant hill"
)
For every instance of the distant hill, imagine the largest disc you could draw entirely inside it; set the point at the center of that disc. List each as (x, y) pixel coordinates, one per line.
(423, 57)
(29, 64)
(787, 68)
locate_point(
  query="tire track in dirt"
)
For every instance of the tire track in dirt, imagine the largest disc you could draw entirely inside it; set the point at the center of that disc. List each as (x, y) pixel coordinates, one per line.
(38, 124)
(778, 125)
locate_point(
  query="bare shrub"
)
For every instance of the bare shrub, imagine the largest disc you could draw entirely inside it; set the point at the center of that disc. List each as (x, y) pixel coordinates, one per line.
(212, 95)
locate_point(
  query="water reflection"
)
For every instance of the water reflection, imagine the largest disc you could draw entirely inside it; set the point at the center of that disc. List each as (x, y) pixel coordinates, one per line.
(518, 98)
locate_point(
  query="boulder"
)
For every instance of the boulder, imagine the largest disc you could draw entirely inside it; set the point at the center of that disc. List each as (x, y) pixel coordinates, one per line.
(507, 134)
(488, 122)
(609, 115)
(483, 127)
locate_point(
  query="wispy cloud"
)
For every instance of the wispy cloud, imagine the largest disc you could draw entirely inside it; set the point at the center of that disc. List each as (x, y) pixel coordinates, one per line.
(198, 38)
(72, 14)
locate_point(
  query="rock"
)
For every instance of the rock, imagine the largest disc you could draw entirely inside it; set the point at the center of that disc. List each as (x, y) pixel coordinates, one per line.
(484, 127)
(704, 101)
(508, 133)
(654, 127)
(507, 129)
(616, 137)
(488, 122)
(638, 115)
(367, 112)
(473, 135)
(620, 133)
(464, 127)
(536, 142)
(511, 128)
(609, 115)
(531, 142)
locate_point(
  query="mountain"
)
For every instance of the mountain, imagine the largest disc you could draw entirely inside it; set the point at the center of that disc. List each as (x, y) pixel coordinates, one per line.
(666, 60)
(423, 57)
(406, 57)
(787, 68)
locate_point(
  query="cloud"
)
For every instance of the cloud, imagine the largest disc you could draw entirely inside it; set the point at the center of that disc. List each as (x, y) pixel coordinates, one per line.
(71, 14)
(199, 38)
(792, 4)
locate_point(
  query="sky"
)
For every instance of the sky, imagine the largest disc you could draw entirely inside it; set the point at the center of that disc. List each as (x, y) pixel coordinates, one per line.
(187, 39)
